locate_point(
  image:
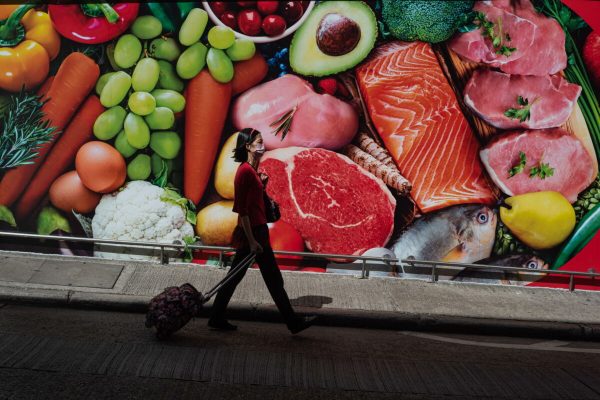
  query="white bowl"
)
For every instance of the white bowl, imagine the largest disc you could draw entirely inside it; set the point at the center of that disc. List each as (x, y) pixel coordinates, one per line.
(261, 39)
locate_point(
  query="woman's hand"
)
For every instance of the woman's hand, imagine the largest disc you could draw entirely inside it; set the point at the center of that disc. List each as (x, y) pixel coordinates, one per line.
(264, 178)
(255, 247)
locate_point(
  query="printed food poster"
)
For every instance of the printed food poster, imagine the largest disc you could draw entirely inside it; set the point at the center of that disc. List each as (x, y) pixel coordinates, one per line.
(446, 131)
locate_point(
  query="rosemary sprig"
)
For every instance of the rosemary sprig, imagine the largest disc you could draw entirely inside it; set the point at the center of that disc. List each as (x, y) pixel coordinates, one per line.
(283, 124)
(23, 132)
(523, 113)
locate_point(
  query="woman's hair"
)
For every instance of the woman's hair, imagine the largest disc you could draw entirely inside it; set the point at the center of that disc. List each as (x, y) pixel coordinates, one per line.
(245, 136)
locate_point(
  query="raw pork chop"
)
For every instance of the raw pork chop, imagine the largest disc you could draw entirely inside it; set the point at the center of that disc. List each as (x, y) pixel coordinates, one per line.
(573, 167)
(551, 98)
(337, 206)
(418, 117)
(540, 51)
(475, 47)
(321, 120)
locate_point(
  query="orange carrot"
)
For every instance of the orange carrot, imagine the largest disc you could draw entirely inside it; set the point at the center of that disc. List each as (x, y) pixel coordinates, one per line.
(248, 73)
(61, 156)
(74, 80)
(43, 90)
(207, 103)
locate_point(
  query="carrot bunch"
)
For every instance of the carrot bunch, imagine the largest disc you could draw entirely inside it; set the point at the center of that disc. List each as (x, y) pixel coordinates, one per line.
(65, 92)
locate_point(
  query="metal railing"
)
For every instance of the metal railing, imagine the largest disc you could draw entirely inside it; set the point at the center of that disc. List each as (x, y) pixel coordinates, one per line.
(385, 263)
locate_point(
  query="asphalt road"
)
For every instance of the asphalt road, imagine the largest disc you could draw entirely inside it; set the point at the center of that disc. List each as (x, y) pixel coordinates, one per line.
(54, 353)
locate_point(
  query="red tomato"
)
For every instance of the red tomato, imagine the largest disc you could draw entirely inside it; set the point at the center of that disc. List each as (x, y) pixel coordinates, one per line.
(285, 237)
(245, 4)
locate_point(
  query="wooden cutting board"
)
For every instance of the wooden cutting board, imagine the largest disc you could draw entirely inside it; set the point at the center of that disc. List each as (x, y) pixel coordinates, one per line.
(459, 72)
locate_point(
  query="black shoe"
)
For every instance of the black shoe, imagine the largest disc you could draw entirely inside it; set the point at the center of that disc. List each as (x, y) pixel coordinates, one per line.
(223, 325)
(302, 323)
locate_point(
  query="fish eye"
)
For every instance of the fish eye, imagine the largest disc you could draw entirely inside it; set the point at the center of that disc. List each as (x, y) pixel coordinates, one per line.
(482, 217)
(532, 265)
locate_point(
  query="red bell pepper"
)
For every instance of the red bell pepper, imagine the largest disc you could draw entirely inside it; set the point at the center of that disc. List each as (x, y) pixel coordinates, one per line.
(93, 23)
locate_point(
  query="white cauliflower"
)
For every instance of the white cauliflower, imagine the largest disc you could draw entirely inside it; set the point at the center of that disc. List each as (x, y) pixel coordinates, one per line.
(139, 213)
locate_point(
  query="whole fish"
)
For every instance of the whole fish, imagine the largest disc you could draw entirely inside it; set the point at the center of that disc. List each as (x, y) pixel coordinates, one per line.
(463, 234)
(495, 276)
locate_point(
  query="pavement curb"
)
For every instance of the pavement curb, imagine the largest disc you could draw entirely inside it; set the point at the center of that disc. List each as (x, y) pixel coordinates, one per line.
(369, 319)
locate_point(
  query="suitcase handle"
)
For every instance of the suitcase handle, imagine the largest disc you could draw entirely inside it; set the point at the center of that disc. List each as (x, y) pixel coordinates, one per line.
(247, 261)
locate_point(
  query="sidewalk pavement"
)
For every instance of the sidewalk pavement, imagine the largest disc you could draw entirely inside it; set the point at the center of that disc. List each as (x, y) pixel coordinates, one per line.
(338, 300)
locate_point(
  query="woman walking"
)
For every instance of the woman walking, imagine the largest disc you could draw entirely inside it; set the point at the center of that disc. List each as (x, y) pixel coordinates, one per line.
(251, 235)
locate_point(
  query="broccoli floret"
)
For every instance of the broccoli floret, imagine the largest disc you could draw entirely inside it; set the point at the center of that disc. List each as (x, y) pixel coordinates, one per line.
(430, 21)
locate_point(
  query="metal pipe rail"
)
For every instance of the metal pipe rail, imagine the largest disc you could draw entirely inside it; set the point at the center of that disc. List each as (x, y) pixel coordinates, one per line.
(388, 261)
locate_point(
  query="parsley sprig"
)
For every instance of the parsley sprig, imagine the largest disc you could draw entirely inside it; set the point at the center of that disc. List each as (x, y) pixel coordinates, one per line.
(523, 113)
(519, 167)
(542, 170)
(478, 20)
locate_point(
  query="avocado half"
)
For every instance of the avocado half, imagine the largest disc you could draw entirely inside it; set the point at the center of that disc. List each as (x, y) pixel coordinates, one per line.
(336, 36)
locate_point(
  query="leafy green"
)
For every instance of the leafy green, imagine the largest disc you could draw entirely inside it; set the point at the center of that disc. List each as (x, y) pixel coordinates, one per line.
(432, 21)
(523, 113)
(50, 220)
(478, 20)
(187, 252)
(163, 176)
(7, 216)
(543, 171)
(517, 169)
(576, 71)
(171, 196)
(23, 131)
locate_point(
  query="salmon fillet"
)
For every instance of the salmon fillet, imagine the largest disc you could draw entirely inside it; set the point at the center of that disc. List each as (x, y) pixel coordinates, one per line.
(417, 115)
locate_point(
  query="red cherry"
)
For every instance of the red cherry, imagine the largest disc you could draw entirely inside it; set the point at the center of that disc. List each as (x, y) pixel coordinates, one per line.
(274, 25)
(267, 7)
(245, 4)
(230, 19)
(292, 11)
(249, 22)
(219, 7)
(305, 5)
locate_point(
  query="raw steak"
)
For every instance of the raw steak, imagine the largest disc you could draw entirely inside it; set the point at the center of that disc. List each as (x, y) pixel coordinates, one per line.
(539, 40)
(551, 98)
(475, 47)
(337, 206)
(321, 120)
(417, 115)
(573, 166)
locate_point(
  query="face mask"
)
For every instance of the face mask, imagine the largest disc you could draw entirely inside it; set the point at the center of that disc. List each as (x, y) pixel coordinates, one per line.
(260, 149)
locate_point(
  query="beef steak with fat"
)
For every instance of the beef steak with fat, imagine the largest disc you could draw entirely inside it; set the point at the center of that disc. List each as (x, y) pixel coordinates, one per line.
(337, 206)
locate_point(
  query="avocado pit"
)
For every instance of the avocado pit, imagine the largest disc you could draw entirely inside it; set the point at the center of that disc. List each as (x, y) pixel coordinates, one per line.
(337, 35)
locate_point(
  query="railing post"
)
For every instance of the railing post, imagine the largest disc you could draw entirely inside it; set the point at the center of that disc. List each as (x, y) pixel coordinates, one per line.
(433, 276)
(164, 258)
(572, 283)
(364, 269)
(220, 258)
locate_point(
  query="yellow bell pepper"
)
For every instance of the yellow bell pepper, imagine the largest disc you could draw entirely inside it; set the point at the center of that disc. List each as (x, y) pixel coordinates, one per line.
(28, 42)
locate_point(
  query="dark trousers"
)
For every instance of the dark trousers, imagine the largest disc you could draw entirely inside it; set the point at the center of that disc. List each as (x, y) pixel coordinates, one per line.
(270, 273)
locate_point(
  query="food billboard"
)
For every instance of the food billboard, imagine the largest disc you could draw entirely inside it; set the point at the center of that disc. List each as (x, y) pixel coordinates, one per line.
(446, 131)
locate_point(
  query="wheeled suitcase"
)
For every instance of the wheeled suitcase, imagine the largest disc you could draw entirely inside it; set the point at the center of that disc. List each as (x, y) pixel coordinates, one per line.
(172, 309)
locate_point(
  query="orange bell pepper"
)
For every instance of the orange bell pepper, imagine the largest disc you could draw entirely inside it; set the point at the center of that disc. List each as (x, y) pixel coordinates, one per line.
(28, 42)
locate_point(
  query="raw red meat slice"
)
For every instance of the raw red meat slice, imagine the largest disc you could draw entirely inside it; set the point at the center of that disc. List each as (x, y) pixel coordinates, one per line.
(539, 40)
(337, 206)
(490, 94)
(573, 167)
